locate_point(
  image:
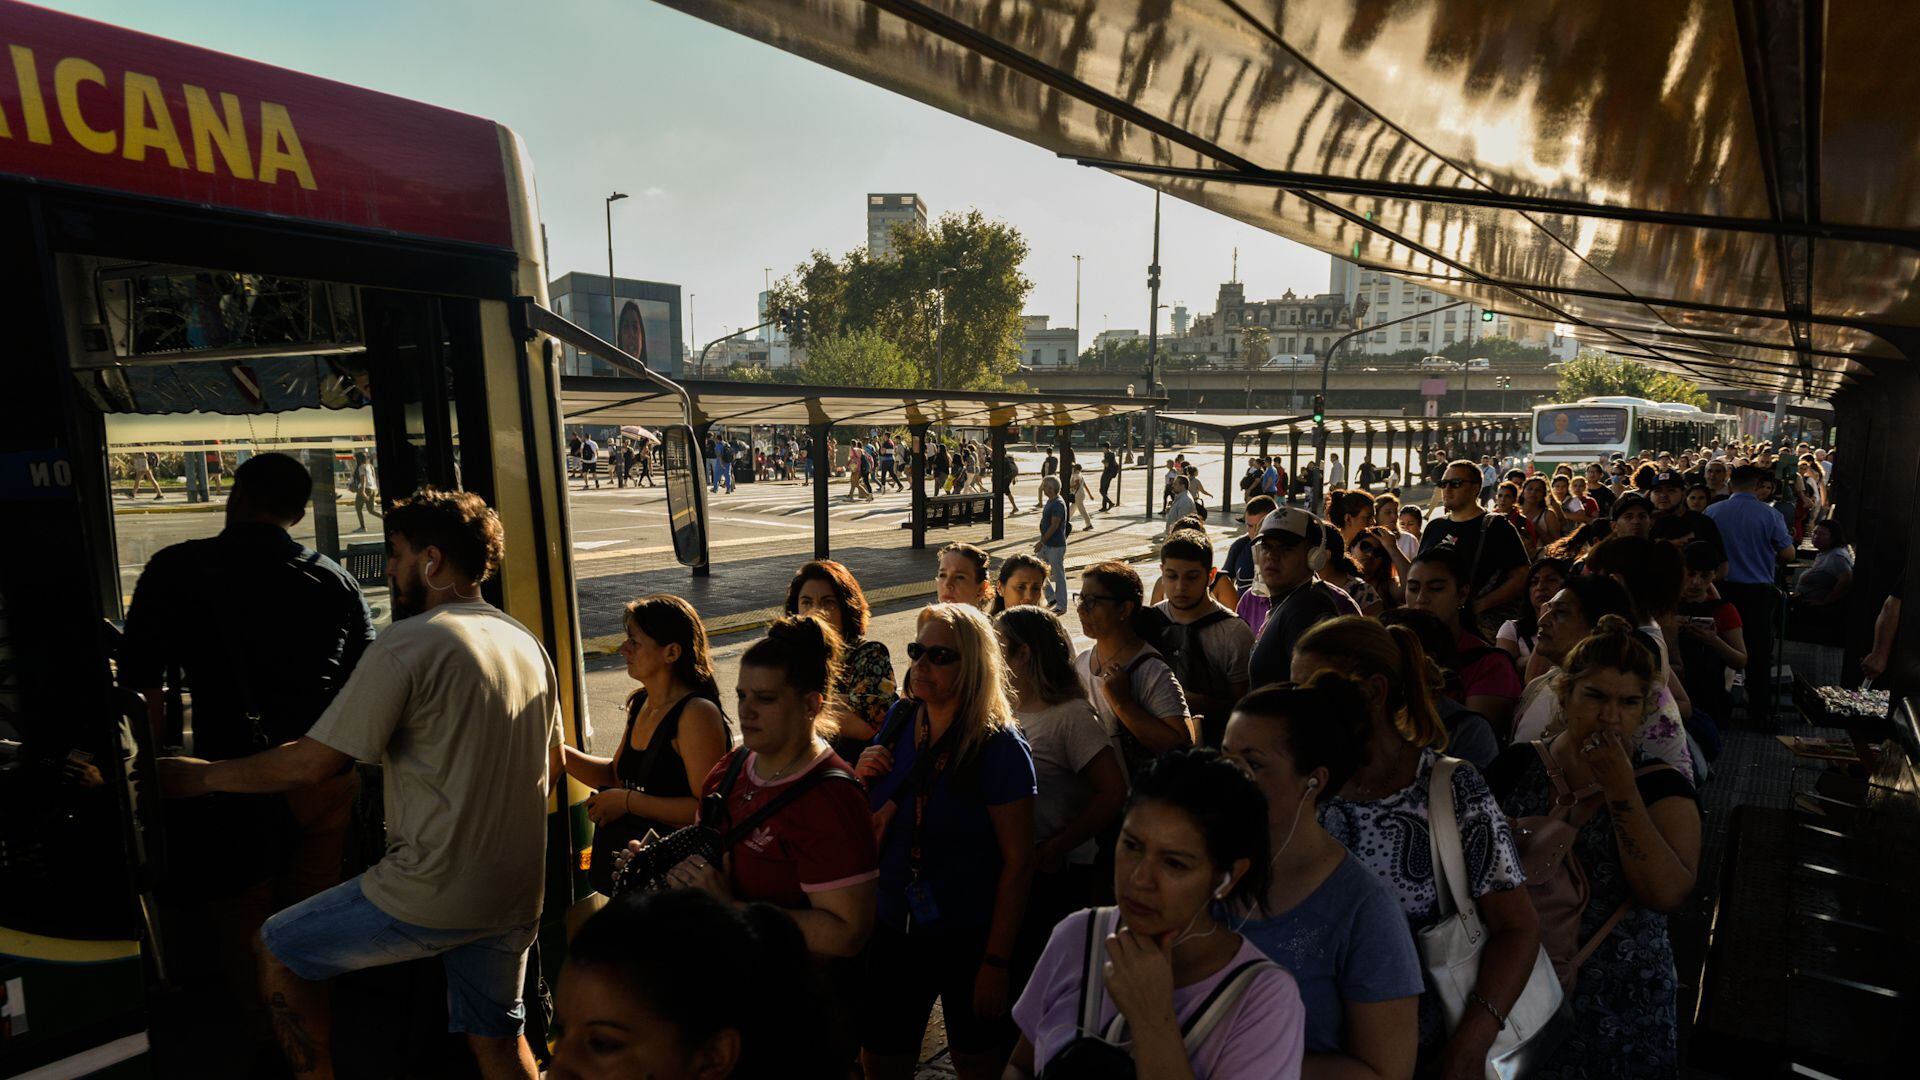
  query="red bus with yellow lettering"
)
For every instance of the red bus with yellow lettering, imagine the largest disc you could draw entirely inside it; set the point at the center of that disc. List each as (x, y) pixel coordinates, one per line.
(213, 258)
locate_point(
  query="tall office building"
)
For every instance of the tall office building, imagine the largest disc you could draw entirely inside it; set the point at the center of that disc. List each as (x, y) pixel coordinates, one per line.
(885, 213)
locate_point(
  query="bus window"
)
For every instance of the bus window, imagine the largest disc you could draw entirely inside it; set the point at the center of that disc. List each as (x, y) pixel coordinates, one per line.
(193, 371)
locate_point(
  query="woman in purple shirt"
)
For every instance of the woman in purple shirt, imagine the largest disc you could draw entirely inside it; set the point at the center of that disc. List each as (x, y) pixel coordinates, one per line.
(1163, 983)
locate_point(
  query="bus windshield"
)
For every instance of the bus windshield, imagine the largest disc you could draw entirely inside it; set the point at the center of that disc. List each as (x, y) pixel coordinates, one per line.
(1583, 426)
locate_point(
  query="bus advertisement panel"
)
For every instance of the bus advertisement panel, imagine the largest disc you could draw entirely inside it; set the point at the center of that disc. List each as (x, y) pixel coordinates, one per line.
(1584, 426)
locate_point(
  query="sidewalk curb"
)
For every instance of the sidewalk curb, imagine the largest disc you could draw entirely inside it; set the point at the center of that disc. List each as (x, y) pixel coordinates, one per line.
(603, 645)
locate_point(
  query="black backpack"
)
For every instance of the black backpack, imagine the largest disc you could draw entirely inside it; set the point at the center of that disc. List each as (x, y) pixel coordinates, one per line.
(1180, 646)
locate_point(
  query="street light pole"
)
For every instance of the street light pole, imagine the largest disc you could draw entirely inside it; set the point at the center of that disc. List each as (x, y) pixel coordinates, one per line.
(1320, 400)
(1153, 349)
(1076, 310)
(940, 333)
(613, 298)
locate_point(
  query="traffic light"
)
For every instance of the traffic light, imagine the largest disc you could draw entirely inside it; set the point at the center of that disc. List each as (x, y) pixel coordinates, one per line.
(1319, 408)
(1486, 316)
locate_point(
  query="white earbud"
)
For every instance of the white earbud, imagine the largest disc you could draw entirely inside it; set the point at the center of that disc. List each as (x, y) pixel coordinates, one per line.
(431, 566)
(1221, 892)
(1312, 782)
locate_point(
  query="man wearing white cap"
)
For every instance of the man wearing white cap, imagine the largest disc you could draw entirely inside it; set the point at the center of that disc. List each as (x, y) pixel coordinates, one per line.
(1288, 550)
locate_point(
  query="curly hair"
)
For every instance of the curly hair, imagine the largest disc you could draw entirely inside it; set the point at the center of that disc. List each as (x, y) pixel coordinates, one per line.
(459, 523)
(846, 590)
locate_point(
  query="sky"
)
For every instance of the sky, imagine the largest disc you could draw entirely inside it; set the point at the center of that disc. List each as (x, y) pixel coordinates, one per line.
(737, 157)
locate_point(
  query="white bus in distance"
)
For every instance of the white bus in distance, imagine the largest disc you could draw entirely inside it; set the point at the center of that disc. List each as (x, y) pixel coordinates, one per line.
(1597, 428)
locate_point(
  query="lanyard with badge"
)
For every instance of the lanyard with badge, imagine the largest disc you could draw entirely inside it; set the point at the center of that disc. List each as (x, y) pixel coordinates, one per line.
(921, 906)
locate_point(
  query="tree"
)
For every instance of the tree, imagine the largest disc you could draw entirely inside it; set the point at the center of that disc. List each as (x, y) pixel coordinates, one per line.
(1599, 374)
(971, 262)
(1254, 345)
(860, 358)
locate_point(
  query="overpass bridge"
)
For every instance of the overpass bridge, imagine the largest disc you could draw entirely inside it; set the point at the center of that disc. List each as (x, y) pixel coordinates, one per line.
(1358, 383)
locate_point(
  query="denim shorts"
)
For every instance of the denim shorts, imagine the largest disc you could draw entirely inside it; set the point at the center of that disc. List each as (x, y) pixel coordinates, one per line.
(340, 930)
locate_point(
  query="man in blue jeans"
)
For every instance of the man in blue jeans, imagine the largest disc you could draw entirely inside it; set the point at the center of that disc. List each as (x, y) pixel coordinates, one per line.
(1052, 545)
(459, 704)
(726, 465)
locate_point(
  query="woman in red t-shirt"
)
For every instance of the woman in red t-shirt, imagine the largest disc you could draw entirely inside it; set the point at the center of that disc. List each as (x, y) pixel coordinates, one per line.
(815, 856)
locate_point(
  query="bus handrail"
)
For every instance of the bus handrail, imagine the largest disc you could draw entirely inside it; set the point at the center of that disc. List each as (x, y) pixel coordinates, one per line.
(530, 318)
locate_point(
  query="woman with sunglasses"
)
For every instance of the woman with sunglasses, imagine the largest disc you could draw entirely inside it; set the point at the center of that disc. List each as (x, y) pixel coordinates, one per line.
(1138, 698)
(951, 786)
(863, 686)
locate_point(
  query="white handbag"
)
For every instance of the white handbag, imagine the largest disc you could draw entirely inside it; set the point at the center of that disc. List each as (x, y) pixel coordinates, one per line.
(1450, 951)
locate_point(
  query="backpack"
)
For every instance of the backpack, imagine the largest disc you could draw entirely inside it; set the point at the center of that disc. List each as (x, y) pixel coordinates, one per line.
(1181, 648)
(1556, 882)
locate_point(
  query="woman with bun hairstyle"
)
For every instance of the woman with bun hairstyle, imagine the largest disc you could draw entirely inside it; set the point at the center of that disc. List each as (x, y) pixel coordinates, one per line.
(1327, 919)
(1638, 839)
(675, 732)
(960, 576)
(1116, 987)
(815, 856)
(1380, 814)
(951, 787)
(653, 989)
(864, 689)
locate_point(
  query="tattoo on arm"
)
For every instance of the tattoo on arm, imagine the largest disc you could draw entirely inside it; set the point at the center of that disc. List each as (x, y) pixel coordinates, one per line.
(291, 1031)
(1628, 845)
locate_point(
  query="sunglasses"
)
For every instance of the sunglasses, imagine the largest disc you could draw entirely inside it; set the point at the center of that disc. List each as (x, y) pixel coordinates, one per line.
(937, 655)
(1451, 484)
(1087, 599)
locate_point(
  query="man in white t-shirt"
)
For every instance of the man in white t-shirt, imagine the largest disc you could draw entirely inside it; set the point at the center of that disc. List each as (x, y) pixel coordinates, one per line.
(460, 705)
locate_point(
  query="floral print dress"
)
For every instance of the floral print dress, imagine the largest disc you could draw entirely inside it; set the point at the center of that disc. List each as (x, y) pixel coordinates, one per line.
(866, 686)
(1624, 1001)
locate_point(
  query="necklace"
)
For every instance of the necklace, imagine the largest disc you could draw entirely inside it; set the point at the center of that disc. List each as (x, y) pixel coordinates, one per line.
(806, 754)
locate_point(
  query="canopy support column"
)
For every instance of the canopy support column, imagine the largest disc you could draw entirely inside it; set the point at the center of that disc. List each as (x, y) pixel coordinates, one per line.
(918, 485)
(1226, 477)
(1367, 453)
(996, 460)
(822, 482)
(1293, 474)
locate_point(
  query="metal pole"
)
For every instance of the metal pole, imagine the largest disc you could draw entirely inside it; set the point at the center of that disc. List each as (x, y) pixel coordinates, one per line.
(1326, 364)
(822, 481)
(917, 434)
(1076, 310)
(996, 454)
(1153, 351)
(613, 299)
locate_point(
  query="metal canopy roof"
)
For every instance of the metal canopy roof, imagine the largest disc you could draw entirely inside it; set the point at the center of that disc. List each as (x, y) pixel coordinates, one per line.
(1236, 424)
(1688, 182)
(587, 399)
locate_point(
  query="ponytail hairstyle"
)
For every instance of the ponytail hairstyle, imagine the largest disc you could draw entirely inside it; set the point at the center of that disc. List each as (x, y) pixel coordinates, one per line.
(1322, 723)
(680, 952)
(1614, 645)
(669, 620)
(1050, 671)
(981, 562)
(1442, 650)
(807, 651)
(1362, 648)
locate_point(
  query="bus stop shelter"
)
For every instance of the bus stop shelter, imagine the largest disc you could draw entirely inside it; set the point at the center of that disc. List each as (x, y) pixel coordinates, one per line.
(599, 400)
(1230, 427)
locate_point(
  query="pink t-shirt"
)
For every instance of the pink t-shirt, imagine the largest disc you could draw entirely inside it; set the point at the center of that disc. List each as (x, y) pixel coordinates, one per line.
(1261, 1038)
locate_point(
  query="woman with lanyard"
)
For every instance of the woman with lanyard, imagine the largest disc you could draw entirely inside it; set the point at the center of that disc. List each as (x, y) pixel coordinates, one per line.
(863, 682)
(1380, 814)
(1135, 692)
(951, 786)
(1163, 986)
(675, 732)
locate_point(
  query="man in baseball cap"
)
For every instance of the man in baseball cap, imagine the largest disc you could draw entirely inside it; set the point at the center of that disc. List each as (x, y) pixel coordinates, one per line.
(1669, 497)
(1287, 551)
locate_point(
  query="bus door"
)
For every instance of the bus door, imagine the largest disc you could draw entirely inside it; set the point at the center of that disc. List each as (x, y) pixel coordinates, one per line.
(152, 355)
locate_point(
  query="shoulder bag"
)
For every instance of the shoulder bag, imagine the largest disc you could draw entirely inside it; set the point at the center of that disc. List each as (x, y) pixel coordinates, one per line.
(1105, 1056)
(1450, 950)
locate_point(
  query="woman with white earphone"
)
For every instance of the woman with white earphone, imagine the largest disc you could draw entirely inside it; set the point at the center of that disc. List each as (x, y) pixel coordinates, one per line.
(1162, 986)
(1328, 919)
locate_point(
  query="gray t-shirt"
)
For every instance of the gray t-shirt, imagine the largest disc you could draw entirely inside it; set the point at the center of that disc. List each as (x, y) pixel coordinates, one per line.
(461, 707)
(1227, 643)
(1064, 738)
(1154, 687)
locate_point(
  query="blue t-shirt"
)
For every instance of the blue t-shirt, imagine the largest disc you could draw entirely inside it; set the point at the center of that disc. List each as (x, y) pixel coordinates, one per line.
(960, 851)
(1056, 511)
(1752, 533)
(1348, 941)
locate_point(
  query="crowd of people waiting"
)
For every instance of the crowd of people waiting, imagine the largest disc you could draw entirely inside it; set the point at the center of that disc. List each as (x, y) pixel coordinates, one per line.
(1225, 839)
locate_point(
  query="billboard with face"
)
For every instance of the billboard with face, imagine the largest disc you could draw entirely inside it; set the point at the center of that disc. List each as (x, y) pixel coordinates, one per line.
(645, 329)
